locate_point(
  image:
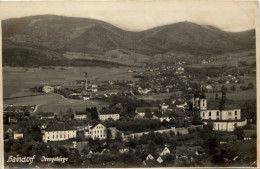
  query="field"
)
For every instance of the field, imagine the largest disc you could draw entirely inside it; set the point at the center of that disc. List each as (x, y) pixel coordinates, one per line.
(54, 103)
(17, 82)
(117, 55)
(230, 59)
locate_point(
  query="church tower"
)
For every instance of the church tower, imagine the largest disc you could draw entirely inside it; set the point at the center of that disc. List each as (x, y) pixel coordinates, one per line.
(203, 102)
(196, 100)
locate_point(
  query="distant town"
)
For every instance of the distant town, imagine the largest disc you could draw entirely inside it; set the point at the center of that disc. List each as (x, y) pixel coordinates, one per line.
(197, 125)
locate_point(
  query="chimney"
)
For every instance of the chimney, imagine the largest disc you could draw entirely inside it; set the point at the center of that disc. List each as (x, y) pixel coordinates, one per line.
(86, 81)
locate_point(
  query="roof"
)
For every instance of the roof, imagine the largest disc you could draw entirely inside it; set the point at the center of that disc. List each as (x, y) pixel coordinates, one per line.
(143, 109)
(80, 113)
(108, 112)
(47, 114)
(59, 127)
(96, 125)
(214, 105)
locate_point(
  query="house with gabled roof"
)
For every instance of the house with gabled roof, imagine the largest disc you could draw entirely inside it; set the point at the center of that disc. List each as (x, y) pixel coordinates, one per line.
(58, 132)
(96, 131)
(165, 151)
(159, 159)
(149, 157)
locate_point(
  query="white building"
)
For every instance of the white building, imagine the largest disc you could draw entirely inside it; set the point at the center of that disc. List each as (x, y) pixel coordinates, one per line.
(47, 89)
(149, 157)
(165, 151)
(97, 131)
(108, 115)
(86, 97)
(223, 120)
(143, 110)
(166, 118)
(18, 136)
(164, 107)
(80, 115)
(58, 132)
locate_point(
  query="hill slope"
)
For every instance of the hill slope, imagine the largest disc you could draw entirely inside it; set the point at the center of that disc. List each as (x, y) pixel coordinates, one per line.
(60, 34)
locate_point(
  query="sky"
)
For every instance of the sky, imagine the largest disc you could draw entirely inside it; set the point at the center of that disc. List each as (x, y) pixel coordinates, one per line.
(143, 15)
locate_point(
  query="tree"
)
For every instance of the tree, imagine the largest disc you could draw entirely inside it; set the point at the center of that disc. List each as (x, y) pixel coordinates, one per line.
(239, 132)
(216, 96)
(224, 89)
(250, 86)
(85, 150)
(109, 134)
(118, 136)
(36, 133)
(148, 113)
(233, 88)
(94, 114)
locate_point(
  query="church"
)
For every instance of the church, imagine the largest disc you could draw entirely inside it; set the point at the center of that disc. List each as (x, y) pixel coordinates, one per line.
(224, 117)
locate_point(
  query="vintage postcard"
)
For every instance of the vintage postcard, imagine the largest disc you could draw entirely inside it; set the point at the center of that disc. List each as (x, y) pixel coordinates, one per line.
(129, 84)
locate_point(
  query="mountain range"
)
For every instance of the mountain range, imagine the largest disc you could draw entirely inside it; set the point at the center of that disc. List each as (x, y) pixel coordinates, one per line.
(43, 39)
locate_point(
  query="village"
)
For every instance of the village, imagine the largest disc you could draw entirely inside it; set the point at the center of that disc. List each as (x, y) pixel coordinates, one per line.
(135, 131)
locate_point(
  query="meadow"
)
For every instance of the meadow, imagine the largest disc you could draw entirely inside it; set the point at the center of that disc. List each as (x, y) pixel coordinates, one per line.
(17, 82)
(230, 59)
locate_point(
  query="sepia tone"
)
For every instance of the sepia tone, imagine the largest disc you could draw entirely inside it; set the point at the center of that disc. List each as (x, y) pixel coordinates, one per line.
(129, 84)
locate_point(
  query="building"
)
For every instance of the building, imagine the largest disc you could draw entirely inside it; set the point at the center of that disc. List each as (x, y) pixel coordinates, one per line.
(165, 151)
(164, 107)
(149, 157)
(86, 97)
(123, 150)
(108, 116)
(225, 117)
(97, 131)
(47, 115)
(18, 136)
(20, 109)
(47, 89)
(165, 118)
(92, 90)
(143, 110)
(59, 132)
(159, 159)
(80, 115)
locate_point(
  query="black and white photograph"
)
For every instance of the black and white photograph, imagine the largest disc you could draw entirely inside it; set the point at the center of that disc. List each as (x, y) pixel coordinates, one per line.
(129, 84)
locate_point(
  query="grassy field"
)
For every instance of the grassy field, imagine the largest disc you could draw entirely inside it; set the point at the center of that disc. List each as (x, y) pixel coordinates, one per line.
(117, 55)
(55, 103)
(230, 59)
(17, 81)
